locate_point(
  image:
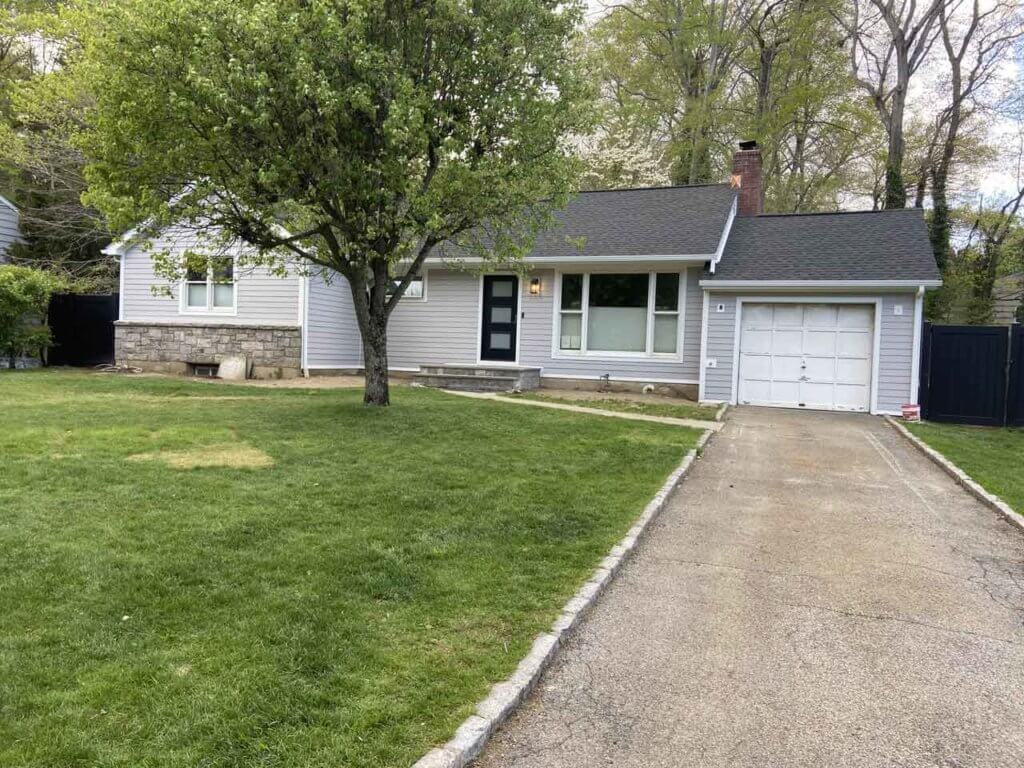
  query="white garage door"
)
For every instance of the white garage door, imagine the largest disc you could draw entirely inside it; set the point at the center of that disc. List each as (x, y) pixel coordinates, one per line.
(807, 355)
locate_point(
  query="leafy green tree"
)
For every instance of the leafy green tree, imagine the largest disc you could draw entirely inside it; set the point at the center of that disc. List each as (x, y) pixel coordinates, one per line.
(990, 247)
(795, 96)
(665, 67)
(359, 135)
(24, 299)
(41, 171)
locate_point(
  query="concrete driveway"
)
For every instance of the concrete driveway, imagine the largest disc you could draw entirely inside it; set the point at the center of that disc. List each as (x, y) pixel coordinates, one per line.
(816, 594)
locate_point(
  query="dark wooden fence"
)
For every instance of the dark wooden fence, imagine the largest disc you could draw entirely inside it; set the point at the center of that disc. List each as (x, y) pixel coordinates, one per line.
(973, 374)
(83, 329)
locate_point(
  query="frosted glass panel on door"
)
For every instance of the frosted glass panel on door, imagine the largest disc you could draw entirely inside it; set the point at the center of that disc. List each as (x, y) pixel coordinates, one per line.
(501, 341)
(501, 288)
(501, 314)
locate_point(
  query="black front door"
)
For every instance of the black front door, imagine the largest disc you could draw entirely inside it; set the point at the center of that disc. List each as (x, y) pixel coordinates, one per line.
(501, 308)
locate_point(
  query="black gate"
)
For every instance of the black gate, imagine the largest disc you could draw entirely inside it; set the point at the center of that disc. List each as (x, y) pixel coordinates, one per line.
(972, 374)
(1015, 396)
(83, 329)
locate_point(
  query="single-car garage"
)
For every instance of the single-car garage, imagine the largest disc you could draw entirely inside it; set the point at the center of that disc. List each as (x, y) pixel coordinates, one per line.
(807, 355)
(820, 310)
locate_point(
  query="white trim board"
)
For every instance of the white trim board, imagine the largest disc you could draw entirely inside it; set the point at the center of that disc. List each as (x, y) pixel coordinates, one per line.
(915, 355)
(868, 285)
(817, 299)
(547, 262)
(725, 234)
(701, 373)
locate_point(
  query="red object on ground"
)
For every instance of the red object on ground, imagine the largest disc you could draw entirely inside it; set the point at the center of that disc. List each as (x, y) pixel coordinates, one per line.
(911, 412)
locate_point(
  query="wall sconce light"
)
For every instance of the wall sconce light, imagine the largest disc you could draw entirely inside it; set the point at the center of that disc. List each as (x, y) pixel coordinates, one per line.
(535, 286)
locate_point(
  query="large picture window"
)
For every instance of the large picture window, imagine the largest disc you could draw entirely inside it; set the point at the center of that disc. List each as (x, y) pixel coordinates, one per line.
(210, 285)
(632, 313)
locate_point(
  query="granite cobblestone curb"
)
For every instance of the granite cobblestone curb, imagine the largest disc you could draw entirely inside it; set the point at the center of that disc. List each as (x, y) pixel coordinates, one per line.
(969, 484)
(471, 737)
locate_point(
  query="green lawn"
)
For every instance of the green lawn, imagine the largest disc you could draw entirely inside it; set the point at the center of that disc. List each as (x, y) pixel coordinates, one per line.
(340, 594)
(994, 457)
(680, 410)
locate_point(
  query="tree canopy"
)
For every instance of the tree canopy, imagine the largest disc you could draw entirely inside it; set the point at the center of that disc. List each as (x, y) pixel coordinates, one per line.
(351, 134)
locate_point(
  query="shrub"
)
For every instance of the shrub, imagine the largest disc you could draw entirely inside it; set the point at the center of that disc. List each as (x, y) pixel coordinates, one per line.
(24, 298)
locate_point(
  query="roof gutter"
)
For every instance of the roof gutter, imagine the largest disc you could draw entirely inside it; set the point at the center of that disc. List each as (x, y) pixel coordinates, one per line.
(802, 284)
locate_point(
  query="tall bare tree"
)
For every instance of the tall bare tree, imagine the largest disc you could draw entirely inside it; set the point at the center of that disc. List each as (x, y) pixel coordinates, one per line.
(889, 41)
(977, 42)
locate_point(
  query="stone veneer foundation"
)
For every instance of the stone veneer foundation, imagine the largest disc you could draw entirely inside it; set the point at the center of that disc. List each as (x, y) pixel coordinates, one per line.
(274, 351)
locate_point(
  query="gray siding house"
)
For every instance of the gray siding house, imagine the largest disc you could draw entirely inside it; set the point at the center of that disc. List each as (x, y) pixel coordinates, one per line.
(10, 231)
(690, 289)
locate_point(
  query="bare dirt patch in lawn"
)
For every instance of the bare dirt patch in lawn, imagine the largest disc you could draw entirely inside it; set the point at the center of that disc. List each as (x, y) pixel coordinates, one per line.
(230, 455)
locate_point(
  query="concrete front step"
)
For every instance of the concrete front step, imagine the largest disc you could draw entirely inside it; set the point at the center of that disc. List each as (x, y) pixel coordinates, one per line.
(478, 378)
(466, 383)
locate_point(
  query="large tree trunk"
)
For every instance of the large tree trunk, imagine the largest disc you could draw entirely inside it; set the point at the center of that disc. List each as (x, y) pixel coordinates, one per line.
(895, 189)
(375, 363)
(372, 317)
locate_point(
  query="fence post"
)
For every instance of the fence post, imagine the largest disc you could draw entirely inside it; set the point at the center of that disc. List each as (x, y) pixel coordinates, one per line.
(925, 375)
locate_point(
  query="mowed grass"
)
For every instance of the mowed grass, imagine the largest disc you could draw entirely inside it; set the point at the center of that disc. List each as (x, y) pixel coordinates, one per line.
(680, 410)
(994, 457)
(211, 575)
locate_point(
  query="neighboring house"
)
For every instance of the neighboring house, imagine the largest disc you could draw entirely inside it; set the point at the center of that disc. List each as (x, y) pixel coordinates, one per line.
(687, 288)
(1007, 293)
(10, 231)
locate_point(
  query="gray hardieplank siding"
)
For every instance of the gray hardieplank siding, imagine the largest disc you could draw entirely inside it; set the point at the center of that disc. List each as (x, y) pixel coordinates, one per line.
(445, 329)
(442, 328)
(261, 298)
(896, 352)
(538, 325)
(439, 329)
(9, 232)
(332, 335)
(895, 357)
(720, 344)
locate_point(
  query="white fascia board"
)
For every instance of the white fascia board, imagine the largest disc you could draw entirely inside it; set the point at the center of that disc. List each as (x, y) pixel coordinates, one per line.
(554, 261)
(814, 284)
(725, 235)
(9, 204)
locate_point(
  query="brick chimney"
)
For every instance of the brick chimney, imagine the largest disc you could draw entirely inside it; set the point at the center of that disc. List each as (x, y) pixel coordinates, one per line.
(746, 178)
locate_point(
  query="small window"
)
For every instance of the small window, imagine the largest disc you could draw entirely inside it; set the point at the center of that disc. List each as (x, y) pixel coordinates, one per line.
(666, 312)
(414, 290)
(209, 284)
(571, 336)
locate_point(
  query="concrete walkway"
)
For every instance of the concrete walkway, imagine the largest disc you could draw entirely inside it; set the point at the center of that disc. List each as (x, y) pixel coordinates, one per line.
(714, 426)
(817, 594)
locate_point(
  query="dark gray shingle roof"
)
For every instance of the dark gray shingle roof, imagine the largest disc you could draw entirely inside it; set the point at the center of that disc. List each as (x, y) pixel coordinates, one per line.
(867, 245)
(639, 222)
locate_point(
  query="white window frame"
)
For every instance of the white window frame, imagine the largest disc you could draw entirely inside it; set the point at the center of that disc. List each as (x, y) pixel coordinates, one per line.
(584, 312)
(185, 309)
(422, 276)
